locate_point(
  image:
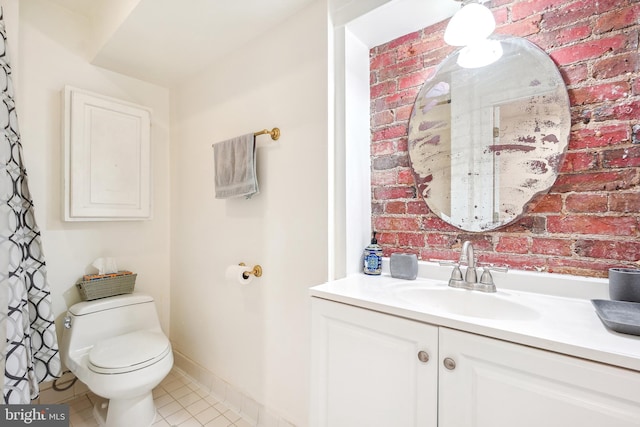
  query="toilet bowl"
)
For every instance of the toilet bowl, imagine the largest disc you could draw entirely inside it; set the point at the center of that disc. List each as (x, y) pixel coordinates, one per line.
(116, 347)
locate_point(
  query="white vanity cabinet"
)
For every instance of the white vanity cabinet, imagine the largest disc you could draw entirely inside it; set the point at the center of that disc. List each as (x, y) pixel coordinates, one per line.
(496, 383)
(366, 372)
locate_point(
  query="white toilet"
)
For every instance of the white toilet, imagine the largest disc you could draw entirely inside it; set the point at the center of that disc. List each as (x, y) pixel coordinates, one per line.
(116, 347)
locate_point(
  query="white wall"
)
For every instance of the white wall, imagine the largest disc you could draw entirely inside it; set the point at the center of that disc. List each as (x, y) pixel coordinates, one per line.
(52, 53)
(256, 337)
(360, 25)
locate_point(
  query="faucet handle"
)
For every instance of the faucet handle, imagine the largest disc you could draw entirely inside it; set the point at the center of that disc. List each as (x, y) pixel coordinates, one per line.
(490, 267)
(456, 280)
(456, 274)
(486, 280)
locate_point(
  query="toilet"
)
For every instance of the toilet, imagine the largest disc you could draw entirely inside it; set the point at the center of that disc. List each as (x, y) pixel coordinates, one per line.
(116, 347)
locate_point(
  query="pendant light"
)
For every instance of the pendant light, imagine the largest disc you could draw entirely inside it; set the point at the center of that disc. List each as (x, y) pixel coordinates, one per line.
(473, 23)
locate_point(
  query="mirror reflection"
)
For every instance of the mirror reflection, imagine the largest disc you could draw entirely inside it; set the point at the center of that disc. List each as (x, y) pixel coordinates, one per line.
(485, 139)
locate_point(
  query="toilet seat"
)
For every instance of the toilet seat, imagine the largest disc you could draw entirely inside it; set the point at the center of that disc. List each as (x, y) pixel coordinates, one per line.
(128, 352)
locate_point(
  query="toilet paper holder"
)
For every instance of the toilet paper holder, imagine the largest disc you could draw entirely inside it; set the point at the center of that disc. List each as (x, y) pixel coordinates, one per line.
(256, 271)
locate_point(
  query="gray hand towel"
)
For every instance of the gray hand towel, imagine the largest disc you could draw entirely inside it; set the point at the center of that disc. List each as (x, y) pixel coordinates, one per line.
(235, 167)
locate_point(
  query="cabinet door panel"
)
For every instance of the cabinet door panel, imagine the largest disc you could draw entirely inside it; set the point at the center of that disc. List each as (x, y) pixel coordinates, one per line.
(365, 369)
(496, 383)
(107, 158)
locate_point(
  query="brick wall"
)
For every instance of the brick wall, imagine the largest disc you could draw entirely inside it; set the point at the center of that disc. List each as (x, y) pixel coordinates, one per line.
(590, 219)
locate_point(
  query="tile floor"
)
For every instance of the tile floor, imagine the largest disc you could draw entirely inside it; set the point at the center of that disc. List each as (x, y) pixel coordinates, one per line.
(180, 402)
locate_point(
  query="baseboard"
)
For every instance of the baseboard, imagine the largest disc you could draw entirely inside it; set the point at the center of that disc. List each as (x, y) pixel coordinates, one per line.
(253, 412)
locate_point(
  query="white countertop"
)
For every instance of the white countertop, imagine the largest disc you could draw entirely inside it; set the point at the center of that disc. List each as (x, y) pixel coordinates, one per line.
(563, 324)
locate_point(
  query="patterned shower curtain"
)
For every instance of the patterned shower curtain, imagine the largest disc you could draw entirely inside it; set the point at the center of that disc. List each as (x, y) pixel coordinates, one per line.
(31, 351)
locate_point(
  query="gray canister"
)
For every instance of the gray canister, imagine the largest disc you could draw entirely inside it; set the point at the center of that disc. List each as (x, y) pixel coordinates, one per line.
(404, 266)
(624, 284)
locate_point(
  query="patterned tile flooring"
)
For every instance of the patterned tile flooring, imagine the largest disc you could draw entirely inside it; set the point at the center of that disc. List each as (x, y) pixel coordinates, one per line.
(180, 402)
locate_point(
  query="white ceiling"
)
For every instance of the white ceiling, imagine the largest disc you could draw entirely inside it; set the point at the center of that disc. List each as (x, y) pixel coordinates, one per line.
(83, 7)
(168, 41)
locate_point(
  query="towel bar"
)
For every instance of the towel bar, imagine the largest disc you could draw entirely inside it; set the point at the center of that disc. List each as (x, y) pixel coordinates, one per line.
(275, 133)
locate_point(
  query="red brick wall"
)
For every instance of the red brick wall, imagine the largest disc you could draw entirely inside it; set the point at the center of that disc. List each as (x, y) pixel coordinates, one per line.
(590, 219)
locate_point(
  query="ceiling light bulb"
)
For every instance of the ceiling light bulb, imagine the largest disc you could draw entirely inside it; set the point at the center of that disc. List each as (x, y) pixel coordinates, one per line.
(472, 23)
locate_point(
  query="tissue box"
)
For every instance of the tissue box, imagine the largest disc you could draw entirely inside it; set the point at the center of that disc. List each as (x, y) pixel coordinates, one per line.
(106, 285)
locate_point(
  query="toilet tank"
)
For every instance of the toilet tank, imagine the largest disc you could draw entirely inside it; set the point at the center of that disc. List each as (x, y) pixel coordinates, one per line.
(91, 321)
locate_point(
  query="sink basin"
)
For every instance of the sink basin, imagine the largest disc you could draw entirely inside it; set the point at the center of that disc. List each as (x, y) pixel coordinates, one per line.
(499, 305)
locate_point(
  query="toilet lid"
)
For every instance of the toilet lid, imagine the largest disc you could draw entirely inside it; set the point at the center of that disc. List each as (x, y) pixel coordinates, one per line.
(128, 352)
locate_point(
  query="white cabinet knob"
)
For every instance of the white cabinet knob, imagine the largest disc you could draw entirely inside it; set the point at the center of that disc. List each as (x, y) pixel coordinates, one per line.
(423, 356)
(449, 363)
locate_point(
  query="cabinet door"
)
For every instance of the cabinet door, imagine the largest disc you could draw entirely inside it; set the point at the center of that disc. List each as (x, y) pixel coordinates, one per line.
(107, 158)
(495, 383)
(366, 369)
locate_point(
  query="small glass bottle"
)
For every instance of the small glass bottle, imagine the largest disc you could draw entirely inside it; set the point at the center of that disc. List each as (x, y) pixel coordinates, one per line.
(373, 258)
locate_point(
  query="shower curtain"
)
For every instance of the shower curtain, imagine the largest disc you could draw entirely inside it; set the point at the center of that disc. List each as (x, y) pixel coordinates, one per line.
(31, 350)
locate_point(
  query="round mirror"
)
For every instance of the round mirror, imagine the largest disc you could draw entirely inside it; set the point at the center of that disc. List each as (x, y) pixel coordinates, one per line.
(488, 132)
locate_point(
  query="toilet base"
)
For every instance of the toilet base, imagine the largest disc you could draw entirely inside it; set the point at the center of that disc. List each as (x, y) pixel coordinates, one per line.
(138, 411)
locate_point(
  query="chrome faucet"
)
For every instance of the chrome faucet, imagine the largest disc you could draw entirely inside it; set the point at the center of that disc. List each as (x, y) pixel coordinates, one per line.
(467, 253)
(470, 280)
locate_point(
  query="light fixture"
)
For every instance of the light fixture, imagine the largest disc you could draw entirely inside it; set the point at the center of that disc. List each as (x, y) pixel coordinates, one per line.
(471, 24)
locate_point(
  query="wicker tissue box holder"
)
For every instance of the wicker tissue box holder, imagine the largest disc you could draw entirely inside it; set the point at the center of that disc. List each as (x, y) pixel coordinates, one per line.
(111, 285)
